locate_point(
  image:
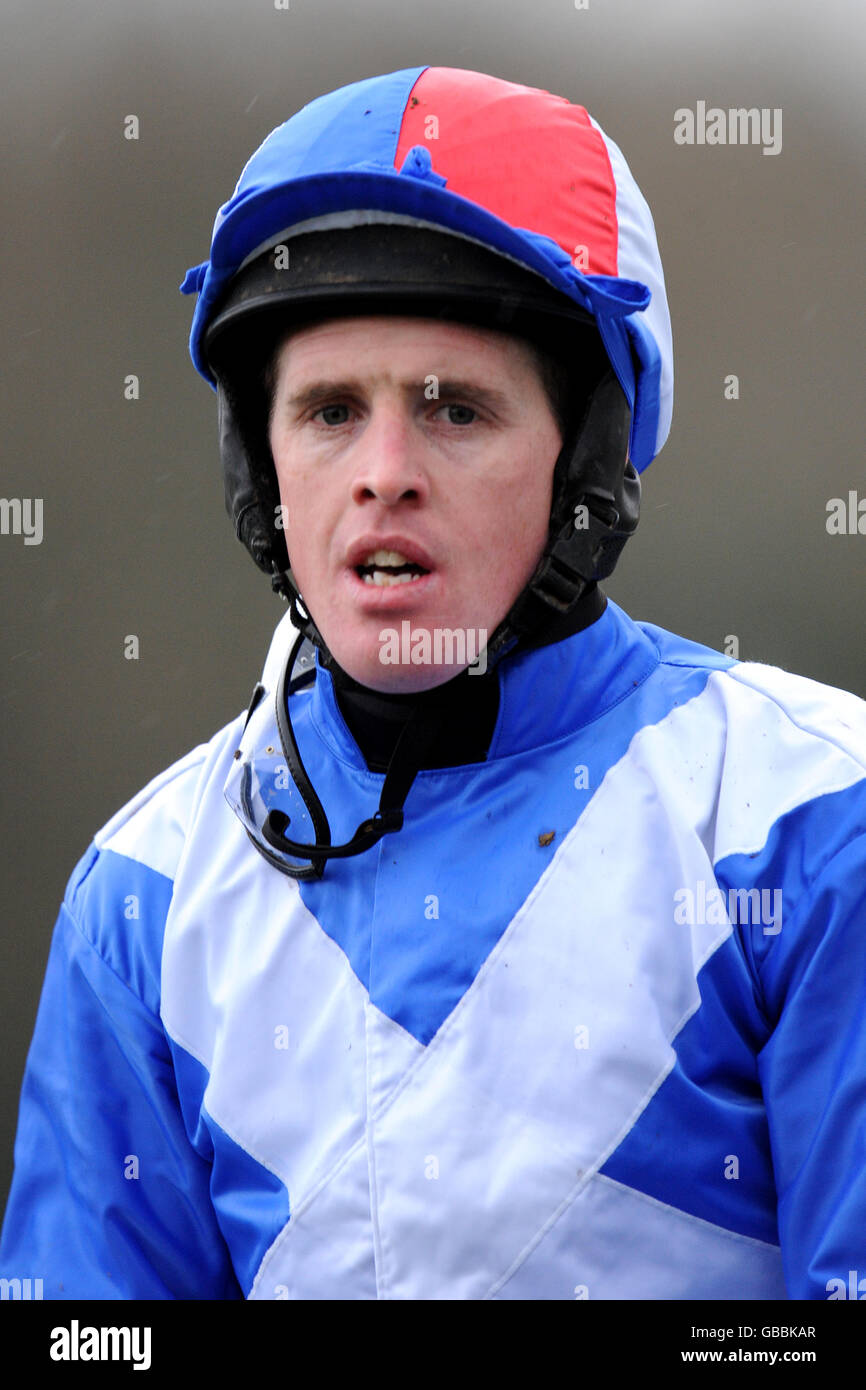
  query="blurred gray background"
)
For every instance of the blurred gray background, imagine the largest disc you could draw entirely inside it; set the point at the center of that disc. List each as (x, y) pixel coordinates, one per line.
(763, 258)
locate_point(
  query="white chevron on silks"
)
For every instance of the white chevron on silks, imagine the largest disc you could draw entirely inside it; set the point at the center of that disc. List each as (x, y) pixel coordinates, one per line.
(613, 1242)
(244, 959)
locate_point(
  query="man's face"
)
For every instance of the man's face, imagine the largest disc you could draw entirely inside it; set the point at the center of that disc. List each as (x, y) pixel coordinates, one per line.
(369, 459)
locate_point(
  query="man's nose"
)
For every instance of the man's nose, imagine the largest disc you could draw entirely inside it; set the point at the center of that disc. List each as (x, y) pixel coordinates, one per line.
(388, 464)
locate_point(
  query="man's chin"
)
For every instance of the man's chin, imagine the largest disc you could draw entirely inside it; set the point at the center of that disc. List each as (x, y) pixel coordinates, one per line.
(403, 658)
(393, 678)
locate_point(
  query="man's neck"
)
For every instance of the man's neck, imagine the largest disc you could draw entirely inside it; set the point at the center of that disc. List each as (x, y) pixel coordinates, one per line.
(466, 706)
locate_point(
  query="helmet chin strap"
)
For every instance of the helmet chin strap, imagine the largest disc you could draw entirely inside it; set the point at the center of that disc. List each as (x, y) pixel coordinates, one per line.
(418, 735)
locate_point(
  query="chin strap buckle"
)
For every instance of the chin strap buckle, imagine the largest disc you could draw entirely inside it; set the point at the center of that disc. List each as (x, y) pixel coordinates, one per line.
(570, 565)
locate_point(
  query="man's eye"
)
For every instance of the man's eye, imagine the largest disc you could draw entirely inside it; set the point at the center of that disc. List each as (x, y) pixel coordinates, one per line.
(327, 409)
(458, 406)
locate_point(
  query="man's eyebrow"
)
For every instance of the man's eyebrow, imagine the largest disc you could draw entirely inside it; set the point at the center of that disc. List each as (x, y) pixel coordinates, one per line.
(318, 391)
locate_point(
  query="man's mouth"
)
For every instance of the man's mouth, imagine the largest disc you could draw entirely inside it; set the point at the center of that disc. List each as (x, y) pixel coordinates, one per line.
(383, 568)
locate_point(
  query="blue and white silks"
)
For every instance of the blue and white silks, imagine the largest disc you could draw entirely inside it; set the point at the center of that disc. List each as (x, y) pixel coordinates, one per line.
(624, 1062)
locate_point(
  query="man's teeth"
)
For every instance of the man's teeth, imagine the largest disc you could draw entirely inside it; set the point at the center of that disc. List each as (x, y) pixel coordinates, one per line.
(382, 577)
(387, 557)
